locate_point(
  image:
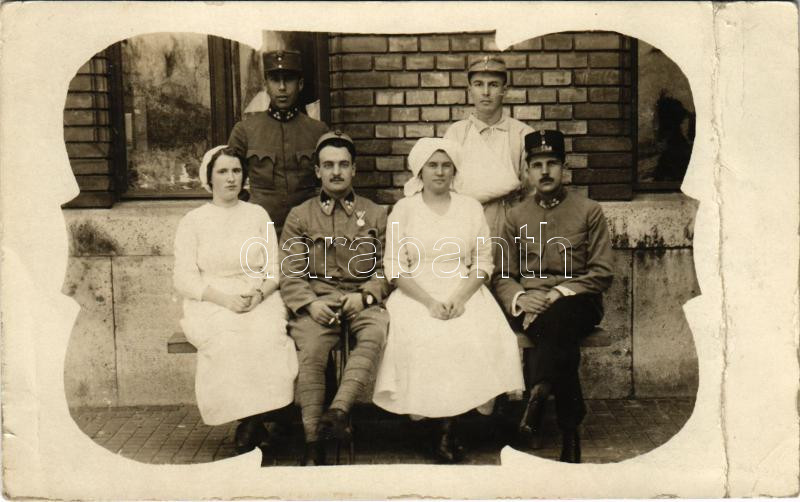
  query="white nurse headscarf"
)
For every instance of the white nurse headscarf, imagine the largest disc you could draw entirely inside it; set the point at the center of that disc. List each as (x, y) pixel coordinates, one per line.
(420, 154)
(204, 166)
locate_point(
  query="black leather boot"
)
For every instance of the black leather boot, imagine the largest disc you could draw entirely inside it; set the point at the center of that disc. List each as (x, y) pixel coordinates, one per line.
(446, 447)
(335, 424)
(249, 433)
(530, 427)
(504, 420)
(458, 448)
(267, 453)
(314, 454)
(571, 447)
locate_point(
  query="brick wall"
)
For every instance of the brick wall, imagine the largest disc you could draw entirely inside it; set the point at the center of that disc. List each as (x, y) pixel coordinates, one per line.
(87, 133)
(387, 91)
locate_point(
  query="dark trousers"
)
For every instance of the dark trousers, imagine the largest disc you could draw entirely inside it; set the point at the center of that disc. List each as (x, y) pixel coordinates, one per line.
(556, 356)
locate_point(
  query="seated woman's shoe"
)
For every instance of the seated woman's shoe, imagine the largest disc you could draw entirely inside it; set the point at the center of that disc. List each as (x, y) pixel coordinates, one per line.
(571, 447)
(530, 427)
(267, 454)
(458, 448)
(249, 433)
(446, 448)
(314, 454)
(505, 420)
(334, 424)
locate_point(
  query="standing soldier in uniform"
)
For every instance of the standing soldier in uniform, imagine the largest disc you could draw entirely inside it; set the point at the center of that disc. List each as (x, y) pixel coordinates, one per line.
(332, 272)
(491, 142)
(558, 267)
(278, 144)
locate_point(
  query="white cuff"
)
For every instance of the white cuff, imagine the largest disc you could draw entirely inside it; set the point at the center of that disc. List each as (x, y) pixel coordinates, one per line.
(516, 311)
(564, 290)
(273, 280)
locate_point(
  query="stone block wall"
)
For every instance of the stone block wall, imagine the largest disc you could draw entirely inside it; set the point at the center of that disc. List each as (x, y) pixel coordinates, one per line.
(120, 273)
(387, 91)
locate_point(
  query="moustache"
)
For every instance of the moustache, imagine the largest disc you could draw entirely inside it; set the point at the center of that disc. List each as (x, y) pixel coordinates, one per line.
(542, 180)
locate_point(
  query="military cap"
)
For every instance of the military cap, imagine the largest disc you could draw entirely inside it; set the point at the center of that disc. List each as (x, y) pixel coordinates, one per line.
(290, 61)
(488, 64)
(545, 142)
(339, 137)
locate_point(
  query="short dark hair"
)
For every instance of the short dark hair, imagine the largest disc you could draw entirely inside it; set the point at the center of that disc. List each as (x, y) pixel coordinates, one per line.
(502, 74)
(230, 152)
(337, 143)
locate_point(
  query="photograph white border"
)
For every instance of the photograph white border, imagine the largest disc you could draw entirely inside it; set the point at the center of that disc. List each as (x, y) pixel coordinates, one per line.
(741, 60)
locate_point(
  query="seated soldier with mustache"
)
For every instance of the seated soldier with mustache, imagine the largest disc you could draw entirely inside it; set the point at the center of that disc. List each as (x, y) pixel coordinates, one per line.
(332, 270)
(552, 282)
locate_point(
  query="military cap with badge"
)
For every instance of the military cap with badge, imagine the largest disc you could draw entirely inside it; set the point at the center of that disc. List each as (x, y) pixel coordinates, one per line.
(545, 142)
(287, 61)
(338, 139)
(488, 64)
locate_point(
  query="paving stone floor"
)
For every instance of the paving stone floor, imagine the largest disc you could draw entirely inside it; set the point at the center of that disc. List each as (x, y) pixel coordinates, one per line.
(613, 430)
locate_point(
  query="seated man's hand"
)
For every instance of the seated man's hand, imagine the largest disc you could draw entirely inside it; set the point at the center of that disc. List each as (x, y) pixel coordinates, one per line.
(553, 295)
(323, 311)
(352, 304)
(533, 302)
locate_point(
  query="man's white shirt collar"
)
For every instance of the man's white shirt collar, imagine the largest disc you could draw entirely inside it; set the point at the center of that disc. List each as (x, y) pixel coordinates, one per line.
(502, 125)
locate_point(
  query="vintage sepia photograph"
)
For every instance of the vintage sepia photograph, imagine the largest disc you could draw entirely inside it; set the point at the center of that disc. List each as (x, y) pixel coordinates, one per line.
(186, 146)
(399, 250)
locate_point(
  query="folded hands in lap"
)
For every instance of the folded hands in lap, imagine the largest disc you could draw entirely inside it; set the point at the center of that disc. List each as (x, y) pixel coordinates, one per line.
(449, 309)
(329, 311)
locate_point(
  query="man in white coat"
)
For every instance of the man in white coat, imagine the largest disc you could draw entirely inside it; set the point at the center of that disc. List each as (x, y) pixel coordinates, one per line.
(493, 145)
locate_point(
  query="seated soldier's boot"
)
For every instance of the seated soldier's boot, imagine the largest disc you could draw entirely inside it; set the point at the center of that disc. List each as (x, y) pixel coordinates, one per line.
(335, 424)
(530, 427)
(571, 447)
(314, 454)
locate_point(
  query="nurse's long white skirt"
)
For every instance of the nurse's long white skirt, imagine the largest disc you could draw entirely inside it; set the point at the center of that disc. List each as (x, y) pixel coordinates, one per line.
(245, 362)
(436, 368)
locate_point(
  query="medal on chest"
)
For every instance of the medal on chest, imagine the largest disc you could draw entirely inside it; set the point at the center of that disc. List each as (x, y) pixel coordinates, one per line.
(360, 221)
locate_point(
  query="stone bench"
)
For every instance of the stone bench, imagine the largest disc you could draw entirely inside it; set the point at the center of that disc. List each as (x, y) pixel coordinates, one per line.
(598, 337)
(178, 344)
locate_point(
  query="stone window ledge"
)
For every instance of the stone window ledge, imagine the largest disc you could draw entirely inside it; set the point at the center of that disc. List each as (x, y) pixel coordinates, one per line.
(147, 228)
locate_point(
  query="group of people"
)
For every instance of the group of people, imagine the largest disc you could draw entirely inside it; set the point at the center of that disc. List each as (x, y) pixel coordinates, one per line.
(485, 222)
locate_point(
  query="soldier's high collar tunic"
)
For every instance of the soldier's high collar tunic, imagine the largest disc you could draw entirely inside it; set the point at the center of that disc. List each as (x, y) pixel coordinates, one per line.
(338, 239)
(279, 149)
